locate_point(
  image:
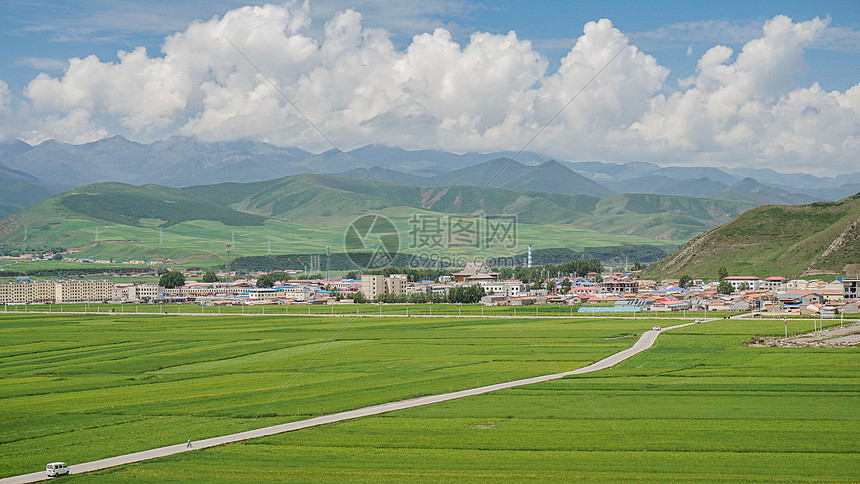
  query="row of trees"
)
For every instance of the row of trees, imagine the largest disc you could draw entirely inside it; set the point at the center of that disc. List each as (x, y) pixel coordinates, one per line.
(577, 268)
(725, 287)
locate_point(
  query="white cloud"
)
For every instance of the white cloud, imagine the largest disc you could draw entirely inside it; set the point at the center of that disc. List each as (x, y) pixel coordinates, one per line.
(491, 93)
(745, 111)
(8, 124)
(75, 127)
(5, 97)
(43, 63)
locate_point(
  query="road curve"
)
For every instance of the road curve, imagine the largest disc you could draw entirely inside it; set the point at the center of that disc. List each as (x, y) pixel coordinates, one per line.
(643, 343)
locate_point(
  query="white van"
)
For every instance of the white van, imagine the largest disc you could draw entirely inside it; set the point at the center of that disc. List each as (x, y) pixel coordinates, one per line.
(55, 469)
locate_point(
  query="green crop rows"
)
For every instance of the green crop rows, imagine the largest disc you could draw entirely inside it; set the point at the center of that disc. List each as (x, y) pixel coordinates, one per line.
(697, 406)
(370, 309)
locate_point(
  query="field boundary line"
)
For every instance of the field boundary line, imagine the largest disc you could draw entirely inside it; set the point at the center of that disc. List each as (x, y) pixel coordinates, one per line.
(643, 343)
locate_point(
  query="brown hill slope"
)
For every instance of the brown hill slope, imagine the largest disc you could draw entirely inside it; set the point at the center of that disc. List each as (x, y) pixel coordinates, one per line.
(788, 240)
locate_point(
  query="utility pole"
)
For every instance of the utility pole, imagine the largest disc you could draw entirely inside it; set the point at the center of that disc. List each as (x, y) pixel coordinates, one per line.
(229, 248)
(327, 260)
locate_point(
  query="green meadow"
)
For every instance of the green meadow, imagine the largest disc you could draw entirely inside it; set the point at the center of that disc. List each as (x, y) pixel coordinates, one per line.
(697, 406)
(82, 387)
(202, 241)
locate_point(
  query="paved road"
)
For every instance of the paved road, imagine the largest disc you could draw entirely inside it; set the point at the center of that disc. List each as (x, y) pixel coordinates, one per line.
(643, 343)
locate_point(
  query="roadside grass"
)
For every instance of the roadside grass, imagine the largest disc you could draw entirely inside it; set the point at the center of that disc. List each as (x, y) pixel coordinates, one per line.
(698, 406)
(79, 387)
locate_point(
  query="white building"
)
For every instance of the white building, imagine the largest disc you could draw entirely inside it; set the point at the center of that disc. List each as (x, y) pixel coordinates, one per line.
(851, 288)
(25, 292)
(503, 288)
(751, 283)
(374, 285)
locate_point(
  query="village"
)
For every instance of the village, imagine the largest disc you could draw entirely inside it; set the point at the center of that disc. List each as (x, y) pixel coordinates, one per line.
(592, 293)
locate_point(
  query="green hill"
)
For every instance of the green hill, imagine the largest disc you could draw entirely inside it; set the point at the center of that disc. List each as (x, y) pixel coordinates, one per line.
(787, 240)
(305, 213)
(17, 194)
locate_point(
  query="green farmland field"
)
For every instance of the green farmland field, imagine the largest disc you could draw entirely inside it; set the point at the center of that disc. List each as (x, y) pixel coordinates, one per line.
(697, 406)
(81, 387)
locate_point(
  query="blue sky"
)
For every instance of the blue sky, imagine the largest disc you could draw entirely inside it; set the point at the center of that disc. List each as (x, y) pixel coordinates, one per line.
(38, 38)
(41, 35)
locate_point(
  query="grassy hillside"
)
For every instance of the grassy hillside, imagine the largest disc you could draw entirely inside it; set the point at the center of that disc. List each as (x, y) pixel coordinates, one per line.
(17, 194)
(775, 240)
(305, 213)
(130, 205)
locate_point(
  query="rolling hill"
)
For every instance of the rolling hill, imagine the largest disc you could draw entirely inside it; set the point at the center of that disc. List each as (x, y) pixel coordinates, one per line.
(18, 189)
(774, 240)
(304, 213)
(752, 190)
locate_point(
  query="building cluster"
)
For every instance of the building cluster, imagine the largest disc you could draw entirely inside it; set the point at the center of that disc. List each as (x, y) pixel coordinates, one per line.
(773, 295)
(25, 291)
(47, 256)
(593, 293)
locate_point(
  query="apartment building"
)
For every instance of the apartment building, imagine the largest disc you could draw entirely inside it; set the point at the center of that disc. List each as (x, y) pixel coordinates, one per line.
(374, 285)
(26, 292)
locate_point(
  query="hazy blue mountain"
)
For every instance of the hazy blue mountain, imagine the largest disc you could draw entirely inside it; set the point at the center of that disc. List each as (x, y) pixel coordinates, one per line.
(18, 192)
(13, 147)
(177, 161)
(796, 180)
(751, 190)
(601, 171)
(547, 177)
(377, 173)
(641, 184)
(613, 172)
(698, 187)
(695, 172)
(7, 173)
(182, 161)
(418, 162)
(553, 177)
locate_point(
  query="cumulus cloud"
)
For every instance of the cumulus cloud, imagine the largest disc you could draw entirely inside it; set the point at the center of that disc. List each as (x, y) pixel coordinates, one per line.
(76, 127)
(493, 93)
(7, 123)
(743, 111)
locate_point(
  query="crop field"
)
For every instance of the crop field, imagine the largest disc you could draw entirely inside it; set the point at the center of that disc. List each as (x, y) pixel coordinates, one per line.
(369, 309)
(82, 387)
(696, 407)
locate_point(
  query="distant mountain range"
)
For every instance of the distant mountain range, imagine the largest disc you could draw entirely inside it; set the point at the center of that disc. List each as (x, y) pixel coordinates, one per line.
(31, 173)
(305, 212)
(549, 177)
